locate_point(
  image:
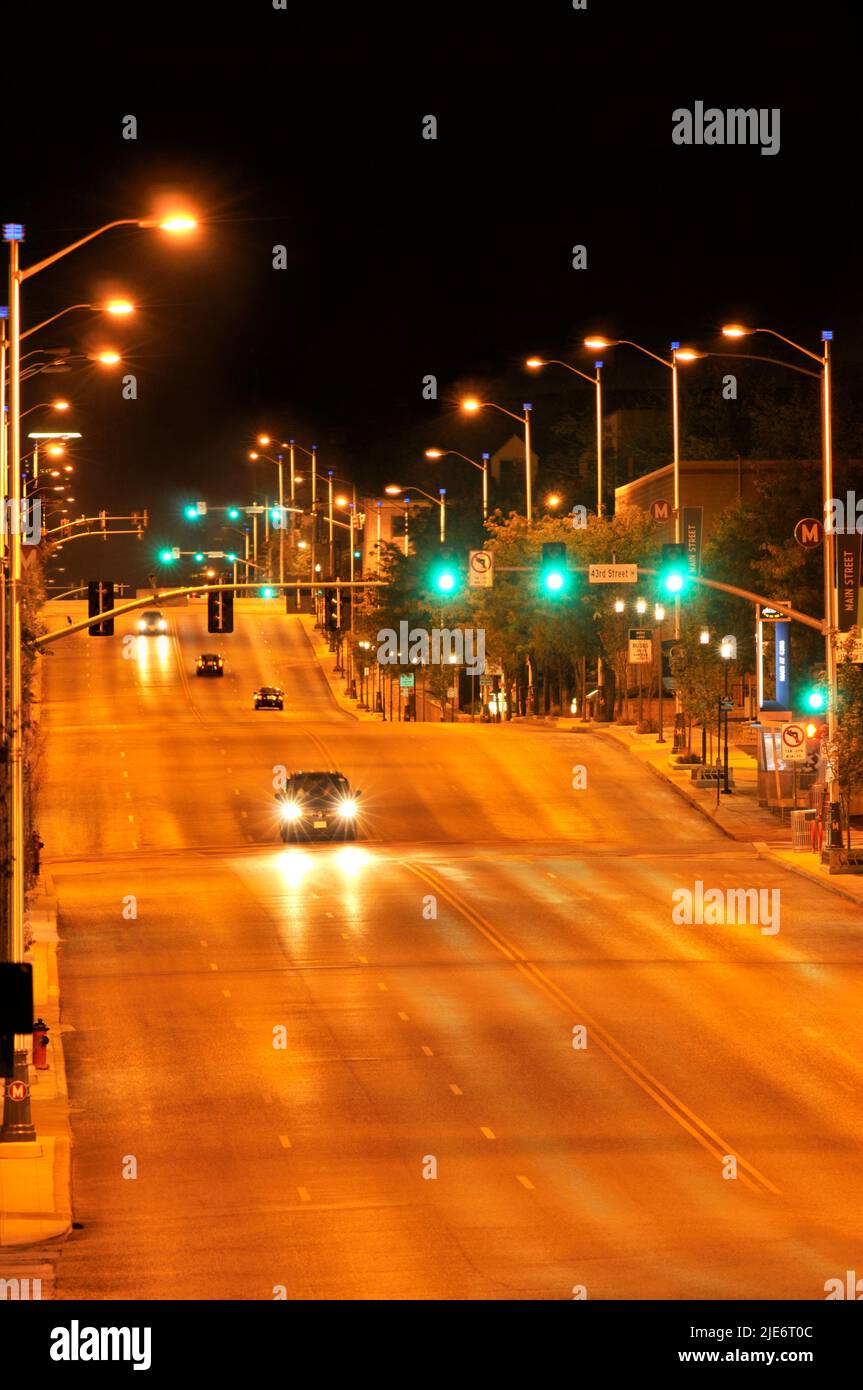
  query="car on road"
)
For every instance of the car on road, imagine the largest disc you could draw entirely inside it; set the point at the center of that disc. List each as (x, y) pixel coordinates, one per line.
(318, 806)
(210, 664)
(152, 623)
(269, 697)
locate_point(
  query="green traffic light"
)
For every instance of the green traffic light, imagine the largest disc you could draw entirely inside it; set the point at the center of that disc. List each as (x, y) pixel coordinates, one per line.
(199, 557)
(191, 512)
(268, 592)
(231, 556)
(233, 513)
(445, 581)
(814, 699)
(166, 557)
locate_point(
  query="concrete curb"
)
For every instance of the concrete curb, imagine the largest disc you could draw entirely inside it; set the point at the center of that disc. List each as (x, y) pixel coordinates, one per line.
(321, 649)
(669, 782)
(35, 1178)
(825, 880)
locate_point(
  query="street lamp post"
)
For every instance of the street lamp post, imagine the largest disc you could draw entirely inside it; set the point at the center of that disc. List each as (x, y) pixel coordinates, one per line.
(394, 489)
(16, 1116)
(659, 615)
(736, 330)
(483, 468)
(596, 382)
(470, 404)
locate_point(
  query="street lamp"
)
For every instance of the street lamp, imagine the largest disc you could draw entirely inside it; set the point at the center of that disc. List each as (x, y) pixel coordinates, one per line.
(599, 344)
(393, 490)
(534, 363)
(17, 1123)
(823, 359)
(471, 405)
(483, 468)
(119, 308)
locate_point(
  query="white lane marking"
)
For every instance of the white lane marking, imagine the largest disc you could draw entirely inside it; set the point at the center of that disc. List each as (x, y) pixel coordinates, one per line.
(489, 1133)
(427, 1050)
(404, 1017)
(456, 1090)
(525, 1182)
(213, 965)
(284, 1141)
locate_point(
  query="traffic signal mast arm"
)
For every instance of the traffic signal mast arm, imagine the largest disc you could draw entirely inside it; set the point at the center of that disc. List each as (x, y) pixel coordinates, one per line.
(64, 529)
(805, 618)
(169, 594)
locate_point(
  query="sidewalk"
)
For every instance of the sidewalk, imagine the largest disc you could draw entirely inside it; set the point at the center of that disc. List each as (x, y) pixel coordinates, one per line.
(35, 1177)
(326, 660)
(739, 816)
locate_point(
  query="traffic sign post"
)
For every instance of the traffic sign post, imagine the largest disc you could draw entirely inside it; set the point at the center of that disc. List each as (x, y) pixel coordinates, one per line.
(480, 569)
(793, 743)
(640, 646)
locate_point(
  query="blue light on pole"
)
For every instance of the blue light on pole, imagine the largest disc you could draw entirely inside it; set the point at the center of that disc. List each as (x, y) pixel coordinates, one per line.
(13, 231)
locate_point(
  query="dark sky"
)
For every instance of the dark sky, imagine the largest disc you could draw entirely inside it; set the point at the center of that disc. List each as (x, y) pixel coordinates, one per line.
(406, 257)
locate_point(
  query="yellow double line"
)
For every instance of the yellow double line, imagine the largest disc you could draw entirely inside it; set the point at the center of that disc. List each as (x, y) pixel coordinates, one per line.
(697, 1128)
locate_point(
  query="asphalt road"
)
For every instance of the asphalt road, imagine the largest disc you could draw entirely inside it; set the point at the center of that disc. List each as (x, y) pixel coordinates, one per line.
(425, 985)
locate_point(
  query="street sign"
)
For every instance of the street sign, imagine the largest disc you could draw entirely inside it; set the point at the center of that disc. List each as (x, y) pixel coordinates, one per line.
(726, 703)
(777, 614)
(451, 693)
(486, 680)
(406, 681)
(660, 510)
(849, 648)
(809, 532)
(480, 569)
(493, 668)
(691, 531)
(640, 646)
(793, 743)
(612, 574)
(202, 508)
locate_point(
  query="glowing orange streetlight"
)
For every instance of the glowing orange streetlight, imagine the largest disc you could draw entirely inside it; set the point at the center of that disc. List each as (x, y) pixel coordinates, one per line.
(472, 405)
(119, 307)
(735, 330)
(108, 358)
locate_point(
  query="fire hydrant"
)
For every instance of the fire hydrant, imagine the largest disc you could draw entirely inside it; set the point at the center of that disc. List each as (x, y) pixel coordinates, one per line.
(40, 1045)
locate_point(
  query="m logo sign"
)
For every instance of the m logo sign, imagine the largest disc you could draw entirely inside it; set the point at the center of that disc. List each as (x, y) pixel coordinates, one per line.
(660, 510)
(809, 532)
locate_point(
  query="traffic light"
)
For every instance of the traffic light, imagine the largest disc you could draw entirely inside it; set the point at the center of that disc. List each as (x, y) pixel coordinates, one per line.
(199, 557)
(169, 555)
(234, 513)
(191, 512)
(445, 574)
(220, 611)
(553, 569)
(268, 591)
(100, 599)
(674, 573)
(331, 620)
(814, 699)
(231, 555)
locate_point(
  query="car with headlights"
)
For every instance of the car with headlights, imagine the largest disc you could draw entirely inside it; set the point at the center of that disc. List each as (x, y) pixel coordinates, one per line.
(269, 697)
(318, 806)
(152, 623)
(209, 664)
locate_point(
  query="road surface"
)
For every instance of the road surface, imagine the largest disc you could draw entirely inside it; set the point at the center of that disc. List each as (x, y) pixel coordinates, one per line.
(350, 1071)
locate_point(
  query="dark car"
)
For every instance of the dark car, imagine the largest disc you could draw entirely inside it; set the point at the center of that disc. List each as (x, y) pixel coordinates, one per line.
(318, 806)
(152, 623)
(210, 664)
(269, 697)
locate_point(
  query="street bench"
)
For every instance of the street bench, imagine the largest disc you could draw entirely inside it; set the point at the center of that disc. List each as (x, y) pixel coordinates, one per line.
(706, 776)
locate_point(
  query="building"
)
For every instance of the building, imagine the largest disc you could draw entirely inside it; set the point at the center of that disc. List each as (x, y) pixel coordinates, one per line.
(713, 485)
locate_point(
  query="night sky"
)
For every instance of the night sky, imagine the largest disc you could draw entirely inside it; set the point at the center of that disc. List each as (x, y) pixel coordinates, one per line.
(405, 256)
